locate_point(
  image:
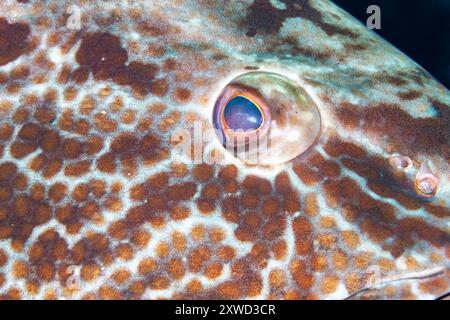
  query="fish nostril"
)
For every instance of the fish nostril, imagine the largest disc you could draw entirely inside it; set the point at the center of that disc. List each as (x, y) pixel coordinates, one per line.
(426, 182)
(400, 162)
(426, 186)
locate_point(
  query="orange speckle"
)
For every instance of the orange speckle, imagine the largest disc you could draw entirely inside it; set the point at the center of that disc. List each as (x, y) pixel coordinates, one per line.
(90, 272)
(87, 105)
(270, 206)
(254, 286)
(411, 263)
(214, 270)
(109, 293)
(217, 234)
(159, 283)
(301, 227)
(311, 207)
(194, 286)
(277, 278)
(339, 260)
(21, 114)
(32, 287)
(329, 284)
(94, 144)
(176, 268)
(141, 238)
(14, 294)
(125, 252)
(291, 295)
(3, 258)
(303, 246)
(104, 123)
(198, 232)
(169, 121)
(353, 282)
(437, 285)
(203, 172)
(78, 168)
(46, 271)
(279, 249)
(228, 172)
(20, 269)
(363, 260)
(230, 290)
(182, 95)
(113, 204)
(319, 263)
(91, 296)
(128, 116)
(302, 278)
(436, 257)
(146, 266)
(351, 238)
(137, 288)
(198, 257)
(326, 240)
(386, 265)
(121, 276)
(157, 108)
(226, 253)
(57, 192)
(162, 249)
(5, 131)
(179, 169)
(328, 222)
(178, 241)
(107, 163)
(70, 93)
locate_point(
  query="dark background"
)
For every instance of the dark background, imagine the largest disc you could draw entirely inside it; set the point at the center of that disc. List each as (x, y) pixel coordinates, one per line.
(419, 28)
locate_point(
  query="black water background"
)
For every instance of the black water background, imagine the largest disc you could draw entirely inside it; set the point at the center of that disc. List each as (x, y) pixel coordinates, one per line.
(419, 28)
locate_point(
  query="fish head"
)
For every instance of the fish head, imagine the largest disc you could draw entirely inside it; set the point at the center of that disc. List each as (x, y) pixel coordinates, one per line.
(116, 179)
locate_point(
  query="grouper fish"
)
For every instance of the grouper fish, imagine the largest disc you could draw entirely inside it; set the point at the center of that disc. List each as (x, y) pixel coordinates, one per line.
(117, 179)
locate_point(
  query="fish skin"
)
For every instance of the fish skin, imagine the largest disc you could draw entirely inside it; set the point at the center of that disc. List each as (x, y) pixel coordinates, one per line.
(94, 204)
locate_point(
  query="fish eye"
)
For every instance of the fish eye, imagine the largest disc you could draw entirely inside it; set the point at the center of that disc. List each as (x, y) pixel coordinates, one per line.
(240, 113)
(263, 118)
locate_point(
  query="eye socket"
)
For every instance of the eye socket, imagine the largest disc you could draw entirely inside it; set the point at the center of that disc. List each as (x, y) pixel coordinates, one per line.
(264, 118)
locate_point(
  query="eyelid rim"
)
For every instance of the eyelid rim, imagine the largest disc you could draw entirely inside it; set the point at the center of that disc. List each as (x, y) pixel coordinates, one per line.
(228, 93)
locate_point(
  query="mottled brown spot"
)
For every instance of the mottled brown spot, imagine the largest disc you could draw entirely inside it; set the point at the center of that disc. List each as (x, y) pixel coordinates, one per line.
(303, 279)
(203, 172)
(103, 55)
(182, 95)
(263, 18)
(107, 163)
(13, 40)
(77, 168)
(388, 124)
(228, 172)
(409, 95)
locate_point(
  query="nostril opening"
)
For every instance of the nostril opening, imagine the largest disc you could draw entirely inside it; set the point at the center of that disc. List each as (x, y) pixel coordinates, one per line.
(426, 186)
(400, 162)
(426, 181)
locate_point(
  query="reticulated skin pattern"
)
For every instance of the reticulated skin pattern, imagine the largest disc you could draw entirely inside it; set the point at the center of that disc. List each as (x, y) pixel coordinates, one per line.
(98, 202)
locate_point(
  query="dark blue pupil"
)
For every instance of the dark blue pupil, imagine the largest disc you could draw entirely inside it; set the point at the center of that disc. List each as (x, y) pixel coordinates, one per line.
(242, 114)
